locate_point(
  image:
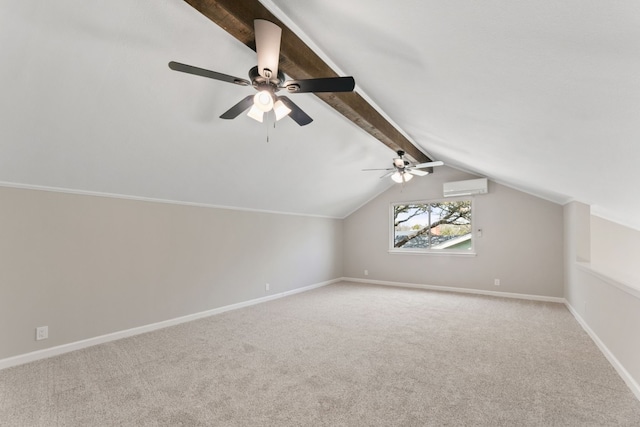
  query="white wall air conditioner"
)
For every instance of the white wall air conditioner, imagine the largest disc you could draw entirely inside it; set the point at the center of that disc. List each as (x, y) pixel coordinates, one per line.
(465, 188)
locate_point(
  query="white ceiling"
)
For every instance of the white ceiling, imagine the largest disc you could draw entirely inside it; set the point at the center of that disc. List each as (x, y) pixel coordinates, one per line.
(543, 96)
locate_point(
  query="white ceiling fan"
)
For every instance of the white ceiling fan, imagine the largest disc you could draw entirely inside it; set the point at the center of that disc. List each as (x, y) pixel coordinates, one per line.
(402, 170)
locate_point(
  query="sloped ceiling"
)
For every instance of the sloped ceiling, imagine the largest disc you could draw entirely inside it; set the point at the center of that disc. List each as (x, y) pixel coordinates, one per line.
(89, 104)
(543, 96)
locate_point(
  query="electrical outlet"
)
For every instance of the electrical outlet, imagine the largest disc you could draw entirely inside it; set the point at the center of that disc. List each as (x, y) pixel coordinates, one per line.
(42, 333)
(266, 287)
(496, 282)
(366, 272)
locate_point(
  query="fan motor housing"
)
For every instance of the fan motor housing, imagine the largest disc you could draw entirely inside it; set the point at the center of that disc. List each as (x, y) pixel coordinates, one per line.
(259, 82)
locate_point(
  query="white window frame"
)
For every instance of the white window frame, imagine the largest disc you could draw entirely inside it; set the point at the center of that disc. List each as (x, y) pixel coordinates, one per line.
(429, 251)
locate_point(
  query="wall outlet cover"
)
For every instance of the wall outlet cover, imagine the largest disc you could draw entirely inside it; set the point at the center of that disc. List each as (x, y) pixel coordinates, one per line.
(42, 333)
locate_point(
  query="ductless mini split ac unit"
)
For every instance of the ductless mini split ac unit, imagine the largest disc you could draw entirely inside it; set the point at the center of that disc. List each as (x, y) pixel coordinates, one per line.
(468, 187)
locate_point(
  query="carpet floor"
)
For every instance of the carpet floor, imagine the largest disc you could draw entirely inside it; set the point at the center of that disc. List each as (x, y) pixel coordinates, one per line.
(342, 355)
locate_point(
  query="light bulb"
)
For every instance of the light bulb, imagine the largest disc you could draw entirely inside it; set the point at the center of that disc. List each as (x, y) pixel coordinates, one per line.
(255, 113)
(280, 109)
(407, 176)
(263, 100)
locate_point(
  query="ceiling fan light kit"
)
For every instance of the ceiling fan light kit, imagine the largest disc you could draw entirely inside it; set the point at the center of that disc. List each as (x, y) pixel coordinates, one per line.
(256, 114)
(280, 109)
(267, 79)
(401, 177)
(263, 101)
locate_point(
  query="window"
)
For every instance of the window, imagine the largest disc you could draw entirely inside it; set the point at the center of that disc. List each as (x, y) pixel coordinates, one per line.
(432, 227)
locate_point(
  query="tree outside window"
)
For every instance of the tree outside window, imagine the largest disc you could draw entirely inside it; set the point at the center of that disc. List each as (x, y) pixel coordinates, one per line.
(428, 226)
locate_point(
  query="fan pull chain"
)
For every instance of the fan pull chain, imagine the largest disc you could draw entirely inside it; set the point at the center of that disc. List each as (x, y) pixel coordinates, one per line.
(268, 118)
(274, 125)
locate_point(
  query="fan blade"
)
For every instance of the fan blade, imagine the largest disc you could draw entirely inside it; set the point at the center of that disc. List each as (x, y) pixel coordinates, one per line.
(417, 172)
(428, 164)
(298, 116)
(328, 84)
(387, 174)
(268, 37)
(189, 69)
(237, 109)
(387, 169)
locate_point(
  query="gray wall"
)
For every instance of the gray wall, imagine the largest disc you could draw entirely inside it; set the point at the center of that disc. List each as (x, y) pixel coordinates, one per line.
(611, 310)
(522, 242)
(615, 250)
(87, 266)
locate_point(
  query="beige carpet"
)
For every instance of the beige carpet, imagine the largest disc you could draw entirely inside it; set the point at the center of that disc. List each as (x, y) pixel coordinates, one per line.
(342, 355)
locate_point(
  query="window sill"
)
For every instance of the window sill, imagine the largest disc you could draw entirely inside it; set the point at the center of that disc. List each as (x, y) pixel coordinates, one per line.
(432, 253)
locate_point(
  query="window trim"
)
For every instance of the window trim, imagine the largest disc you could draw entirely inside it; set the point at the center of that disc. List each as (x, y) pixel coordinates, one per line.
(433, 252)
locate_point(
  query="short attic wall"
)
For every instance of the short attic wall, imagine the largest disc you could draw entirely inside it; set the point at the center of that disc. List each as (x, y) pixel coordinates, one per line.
(615, 250)
(599, 287)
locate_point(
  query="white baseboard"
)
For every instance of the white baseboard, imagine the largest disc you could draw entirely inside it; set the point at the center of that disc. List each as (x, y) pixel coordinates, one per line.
(461, 290)
(66, 348)
(624, 374)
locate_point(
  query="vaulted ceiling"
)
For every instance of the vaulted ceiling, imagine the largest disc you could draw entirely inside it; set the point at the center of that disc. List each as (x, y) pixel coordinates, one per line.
(542, 96)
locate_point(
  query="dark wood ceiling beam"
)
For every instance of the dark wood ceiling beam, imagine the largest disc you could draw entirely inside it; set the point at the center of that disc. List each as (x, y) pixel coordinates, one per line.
(298, 61)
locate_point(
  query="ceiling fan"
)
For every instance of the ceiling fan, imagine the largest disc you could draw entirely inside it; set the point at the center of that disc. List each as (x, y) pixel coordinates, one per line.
(402, 170)
(267, 80)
